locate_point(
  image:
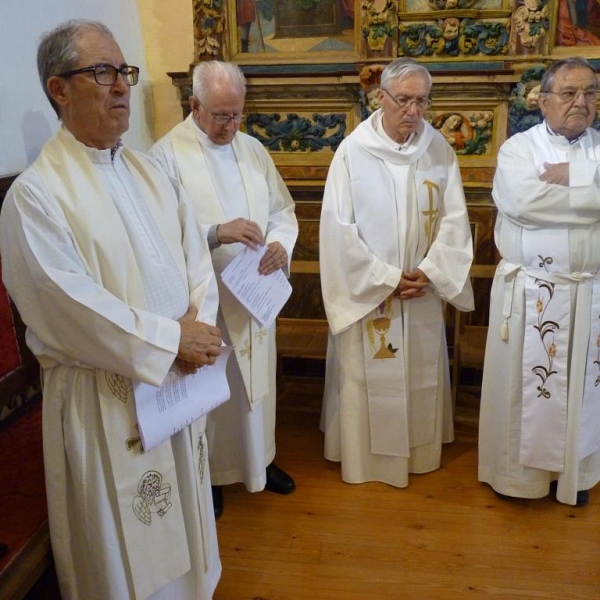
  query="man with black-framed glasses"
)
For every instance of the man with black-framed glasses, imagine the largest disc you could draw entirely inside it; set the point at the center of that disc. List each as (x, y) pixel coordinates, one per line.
(395, 243)
(239, 194)
(103, 258)
(539, 426)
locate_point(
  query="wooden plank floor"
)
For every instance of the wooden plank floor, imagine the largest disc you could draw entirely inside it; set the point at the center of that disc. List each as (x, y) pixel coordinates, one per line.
(445, 537)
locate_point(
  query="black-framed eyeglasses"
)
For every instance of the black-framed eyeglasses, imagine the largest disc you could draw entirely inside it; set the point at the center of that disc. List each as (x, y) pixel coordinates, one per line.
(404, 102)
(221, 119)
(107, 74)
(568, 96)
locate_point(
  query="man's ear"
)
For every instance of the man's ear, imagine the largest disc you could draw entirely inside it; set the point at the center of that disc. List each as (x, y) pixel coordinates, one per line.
(542, 100)
(56, 87)
(193, 103)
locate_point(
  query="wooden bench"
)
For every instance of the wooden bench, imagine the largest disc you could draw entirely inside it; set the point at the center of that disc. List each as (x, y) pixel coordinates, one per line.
(302, 338)
(298, 337)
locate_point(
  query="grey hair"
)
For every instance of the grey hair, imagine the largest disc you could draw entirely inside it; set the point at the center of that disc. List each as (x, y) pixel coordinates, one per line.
(401, 69)
(58, 51)
(567, 64)
(208, 71)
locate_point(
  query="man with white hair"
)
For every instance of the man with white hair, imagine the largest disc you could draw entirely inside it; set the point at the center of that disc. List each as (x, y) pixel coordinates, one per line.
(395, 243)
(237, 190)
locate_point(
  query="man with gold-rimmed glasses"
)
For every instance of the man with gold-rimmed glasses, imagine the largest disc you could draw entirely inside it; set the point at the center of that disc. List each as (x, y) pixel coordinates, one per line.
(395, 243)
(104, 261)
(238, 192)
(540, 402)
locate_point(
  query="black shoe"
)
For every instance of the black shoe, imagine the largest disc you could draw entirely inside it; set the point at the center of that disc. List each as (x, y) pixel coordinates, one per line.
(583, 497)
(217, 495)
(279, 481)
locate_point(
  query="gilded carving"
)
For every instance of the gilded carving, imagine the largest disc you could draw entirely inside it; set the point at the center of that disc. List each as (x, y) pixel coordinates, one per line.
(532, 22)
(378, 23)
(209, 24)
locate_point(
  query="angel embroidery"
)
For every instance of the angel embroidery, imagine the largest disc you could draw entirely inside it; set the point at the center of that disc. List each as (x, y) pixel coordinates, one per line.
(153, 497)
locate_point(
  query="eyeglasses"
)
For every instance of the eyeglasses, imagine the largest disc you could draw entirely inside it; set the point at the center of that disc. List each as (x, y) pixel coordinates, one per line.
(404, 102)
(107, 74)
(221, 119)
(568, 96)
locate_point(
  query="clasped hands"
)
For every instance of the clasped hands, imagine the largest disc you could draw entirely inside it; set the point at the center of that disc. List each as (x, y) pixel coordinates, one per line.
(249, 233)
(412, 285)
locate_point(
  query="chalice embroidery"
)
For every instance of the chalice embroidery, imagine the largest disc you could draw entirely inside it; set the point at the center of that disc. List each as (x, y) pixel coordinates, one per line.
(380, 325)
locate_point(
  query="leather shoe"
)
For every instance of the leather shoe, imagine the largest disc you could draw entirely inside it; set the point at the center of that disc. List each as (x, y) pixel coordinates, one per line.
(279, 481)
(583, 497)
(217, 496)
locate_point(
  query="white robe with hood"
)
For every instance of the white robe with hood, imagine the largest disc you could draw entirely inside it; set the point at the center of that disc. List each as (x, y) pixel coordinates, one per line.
(379, 218)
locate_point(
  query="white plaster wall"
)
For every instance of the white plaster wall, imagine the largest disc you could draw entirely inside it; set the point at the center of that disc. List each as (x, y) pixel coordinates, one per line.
(26, 117)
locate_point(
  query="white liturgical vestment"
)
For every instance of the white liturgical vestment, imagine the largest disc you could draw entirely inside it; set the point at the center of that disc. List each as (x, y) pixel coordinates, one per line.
(540, 402)
(386, 209)
(101, 257)
(226, 182)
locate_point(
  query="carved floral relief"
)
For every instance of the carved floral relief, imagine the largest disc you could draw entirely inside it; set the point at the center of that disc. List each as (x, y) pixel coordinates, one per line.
(454, 37)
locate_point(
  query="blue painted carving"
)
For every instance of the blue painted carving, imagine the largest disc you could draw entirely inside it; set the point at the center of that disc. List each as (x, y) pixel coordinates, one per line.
(453, 37)
(296, 133)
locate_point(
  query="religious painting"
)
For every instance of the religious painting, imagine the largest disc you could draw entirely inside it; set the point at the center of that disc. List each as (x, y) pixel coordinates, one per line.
(267, 27)
(578, 27)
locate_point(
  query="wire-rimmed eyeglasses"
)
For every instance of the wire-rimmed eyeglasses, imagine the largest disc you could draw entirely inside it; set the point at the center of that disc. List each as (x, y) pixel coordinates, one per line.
(404, 102)
(107, 74)
(568, 96)
(222, 119)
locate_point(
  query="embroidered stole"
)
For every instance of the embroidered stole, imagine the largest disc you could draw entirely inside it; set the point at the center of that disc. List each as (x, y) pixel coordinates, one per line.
(545, 362)
(146, 483)
(401, 339)
(248, 338)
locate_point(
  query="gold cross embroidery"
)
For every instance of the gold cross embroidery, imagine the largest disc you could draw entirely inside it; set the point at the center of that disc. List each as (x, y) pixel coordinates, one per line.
(247, 351)
(259, 335)
(432, 213)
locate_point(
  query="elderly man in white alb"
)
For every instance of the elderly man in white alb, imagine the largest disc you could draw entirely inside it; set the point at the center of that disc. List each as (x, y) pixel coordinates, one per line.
(237, 190)
(105, 264)
(540, 402)
(395, 243)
